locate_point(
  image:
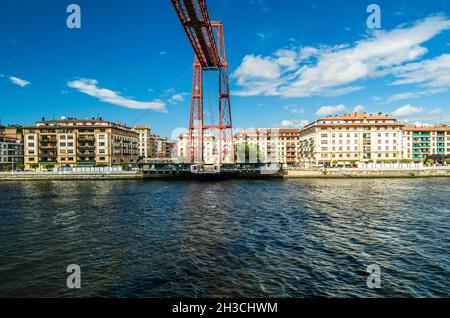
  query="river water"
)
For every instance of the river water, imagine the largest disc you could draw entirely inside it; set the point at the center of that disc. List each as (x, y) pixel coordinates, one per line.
(277, 238)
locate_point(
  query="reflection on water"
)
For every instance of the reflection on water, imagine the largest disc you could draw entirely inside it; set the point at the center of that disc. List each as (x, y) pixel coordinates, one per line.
(294, 238)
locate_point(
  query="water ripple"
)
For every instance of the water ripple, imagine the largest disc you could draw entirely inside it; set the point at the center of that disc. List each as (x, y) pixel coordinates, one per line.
(291, 238)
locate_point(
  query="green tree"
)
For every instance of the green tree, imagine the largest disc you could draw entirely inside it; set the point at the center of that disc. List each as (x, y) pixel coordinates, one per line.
(405, 161)
(447, 161)
(353, 162)
(49, 166)
(34, 166)
(20, 167)
(334, 162)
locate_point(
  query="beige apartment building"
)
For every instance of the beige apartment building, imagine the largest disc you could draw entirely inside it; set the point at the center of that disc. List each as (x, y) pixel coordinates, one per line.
(420, 142)
(79, 143)
(12, 132)
(351, 138)
(146, 144)
(153, 146)
(163, 147)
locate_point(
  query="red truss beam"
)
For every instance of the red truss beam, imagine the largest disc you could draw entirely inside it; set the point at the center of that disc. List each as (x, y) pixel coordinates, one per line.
(194, 17)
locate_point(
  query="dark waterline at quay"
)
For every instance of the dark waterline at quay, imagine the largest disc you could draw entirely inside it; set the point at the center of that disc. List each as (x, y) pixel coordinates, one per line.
(266, 238)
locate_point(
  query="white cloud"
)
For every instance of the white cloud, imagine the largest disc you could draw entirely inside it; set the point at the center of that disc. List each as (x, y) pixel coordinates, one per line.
(90, 87)
(177, 98)
(18, 81)
(331, 110)
(162, 53)
(359, 109)
(407, 111)
(335, 69)
(257, 67)
(294, 123)
(294, 109)
(429, 73)
(418, 113)
(417, 94)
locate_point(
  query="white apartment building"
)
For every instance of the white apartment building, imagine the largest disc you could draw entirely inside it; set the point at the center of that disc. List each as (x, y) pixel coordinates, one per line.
(268, 145)
(351, 138)
(210, 154)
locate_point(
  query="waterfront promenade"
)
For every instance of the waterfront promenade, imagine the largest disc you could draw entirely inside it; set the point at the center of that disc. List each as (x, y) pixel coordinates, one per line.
(423, 172)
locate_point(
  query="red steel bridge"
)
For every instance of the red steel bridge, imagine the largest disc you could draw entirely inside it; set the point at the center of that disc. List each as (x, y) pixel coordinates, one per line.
(207, 40)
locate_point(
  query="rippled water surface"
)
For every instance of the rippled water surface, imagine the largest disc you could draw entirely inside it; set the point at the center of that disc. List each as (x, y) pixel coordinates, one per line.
(291, 238)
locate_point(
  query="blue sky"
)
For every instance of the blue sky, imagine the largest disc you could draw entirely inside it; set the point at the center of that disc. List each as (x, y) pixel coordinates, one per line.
(291, 61)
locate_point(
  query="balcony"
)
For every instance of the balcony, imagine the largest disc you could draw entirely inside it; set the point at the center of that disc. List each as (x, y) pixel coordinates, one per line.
(86, 138)
(86, 146)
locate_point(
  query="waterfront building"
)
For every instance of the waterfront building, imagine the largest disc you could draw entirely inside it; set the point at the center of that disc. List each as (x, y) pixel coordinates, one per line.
(209, 153)
(11, 153)
(163, 147)
(153, 146)
(268, 145)
(79, 143)
(420, 142)
(147, 143)
(12, 132)
(350, 139)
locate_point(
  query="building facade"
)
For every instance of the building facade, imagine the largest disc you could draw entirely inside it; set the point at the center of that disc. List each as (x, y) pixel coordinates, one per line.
(146, 144)
(153, 146)
(11, 146)
(420, 142)
(267, 145)
(12, 132)
(163, 147)
(79, 143)
(11, 153)
(210, 155)
(351, 138)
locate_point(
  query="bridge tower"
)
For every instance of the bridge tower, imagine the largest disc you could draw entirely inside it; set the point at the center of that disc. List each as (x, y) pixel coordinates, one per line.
(208, 41)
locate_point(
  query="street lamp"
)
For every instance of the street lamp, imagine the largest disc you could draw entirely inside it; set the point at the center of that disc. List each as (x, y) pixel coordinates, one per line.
(13, 161)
